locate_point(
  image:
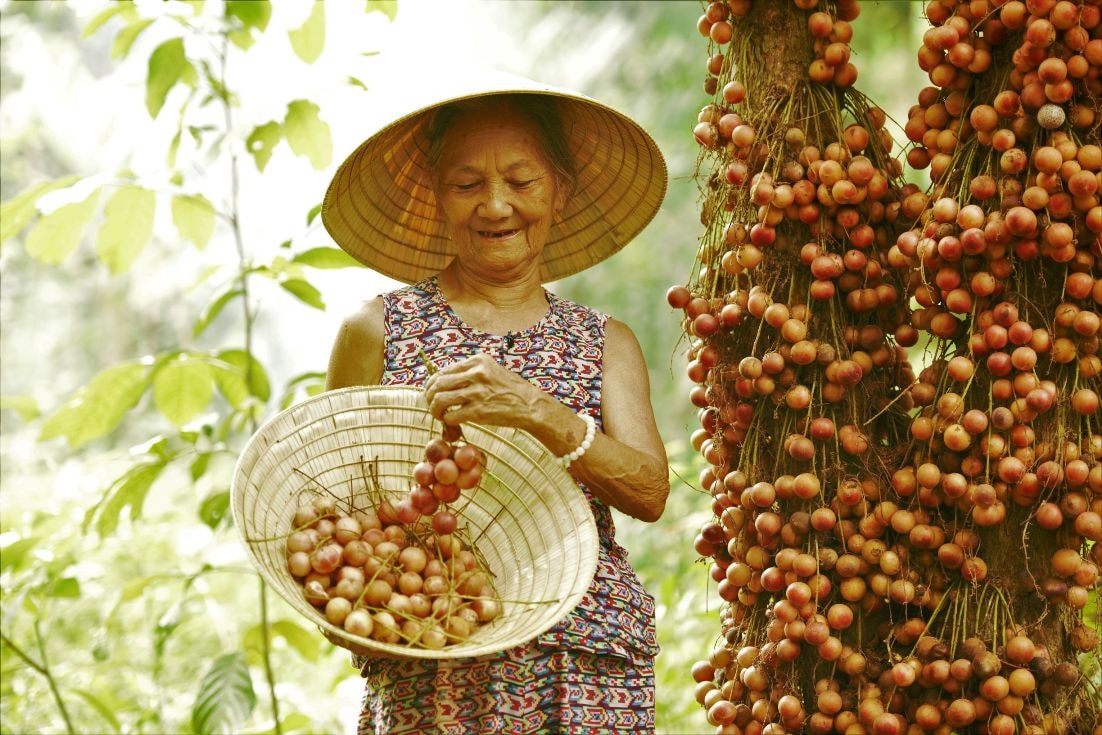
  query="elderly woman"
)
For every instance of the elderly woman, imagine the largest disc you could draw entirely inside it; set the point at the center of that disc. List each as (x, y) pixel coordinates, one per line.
(477, 201)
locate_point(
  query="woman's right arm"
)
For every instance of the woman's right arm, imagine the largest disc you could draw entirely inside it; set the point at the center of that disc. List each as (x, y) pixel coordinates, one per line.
(357, 355)
(357, 359)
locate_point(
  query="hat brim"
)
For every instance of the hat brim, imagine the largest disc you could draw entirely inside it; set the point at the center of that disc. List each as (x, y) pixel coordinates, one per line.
(381, 208)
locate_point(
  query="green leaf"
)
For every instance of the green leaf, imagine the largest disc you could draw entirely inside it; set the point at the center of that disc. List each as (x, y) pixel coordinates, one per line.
(124, 8)
(313, 213)
(127, 227)
(198, 468)
(134, 589)
(313, 383)
(157, 446)
(309, 377)
(215, 508)
(12, 555)
(251, 13)
(215, 81)
(355, 82)
(101, 708)
(293, 722)
(182, 389)
(127, 491)
(213, 309)
(306, 643)
(304, 291)
(127, 36)
(252, 643)
(55, 236)
(307, 134)
(326, 257)
(309, 39)
(231, 384)
(193, 215)
(167, 65)
(25, 406)
(167, 624)
(262, 140)
(241, 38)
(67, 587)
(174, 147)
(225, 698)
(239, 376)
(18, 211)
(389, 8)
(98, 407)
(1090, 612)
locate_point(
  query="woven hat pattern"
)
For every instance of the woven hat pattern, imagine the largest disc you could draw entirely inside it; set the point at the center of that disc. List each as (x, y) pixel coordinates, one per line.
(528, 519)
(380, 206)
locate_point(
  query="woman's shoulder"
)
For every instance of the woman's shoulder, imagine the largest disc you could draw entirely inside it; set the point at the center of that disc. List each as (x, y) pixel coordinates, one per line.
(356, 358)
(366, 321)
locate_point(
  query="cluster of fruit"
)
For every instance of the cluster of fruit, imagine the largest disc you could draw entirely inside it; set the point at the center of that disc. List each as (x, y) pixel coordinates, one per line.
(398, 572)
(861, 505)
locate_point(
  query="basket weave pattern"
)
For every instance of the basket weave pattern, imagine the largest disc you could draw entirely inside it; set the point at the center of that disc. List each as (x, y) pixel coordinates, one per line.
(528, 520)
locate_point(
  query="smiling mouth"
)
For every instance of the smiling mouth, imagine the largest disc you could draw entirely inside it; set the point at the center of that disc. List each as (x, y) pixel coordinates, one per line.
(497, 235)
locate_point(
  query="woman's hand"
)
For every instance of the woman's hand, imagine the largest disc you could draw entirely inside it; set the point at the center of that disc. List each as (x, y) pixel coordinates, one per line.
(625, 467)
(482, 391)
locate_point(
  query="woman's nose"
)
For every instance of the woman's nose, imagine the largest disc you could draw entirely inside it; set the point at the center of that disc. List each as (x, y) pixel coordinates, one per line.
(495, 205)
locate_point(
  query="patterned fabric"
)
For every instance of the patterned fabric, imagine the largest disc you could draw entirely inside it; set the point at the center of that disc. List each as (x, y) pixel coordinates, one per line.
(594, 670)
(561, 353)
(524, 691)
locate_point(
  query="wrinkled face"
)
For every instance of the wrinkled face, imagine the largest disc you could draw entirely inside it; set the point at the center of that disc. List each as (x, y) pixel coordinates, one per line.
(498, 191)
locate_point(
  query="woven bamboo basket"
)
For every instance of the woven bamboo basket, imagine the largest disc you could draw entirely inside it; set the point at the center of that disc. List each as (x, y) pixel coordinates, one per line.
(528, 519)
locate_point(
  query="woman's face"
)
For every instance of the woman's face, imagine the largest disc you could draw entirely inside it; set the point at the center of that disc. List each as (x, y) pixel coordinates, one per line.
(498, 191)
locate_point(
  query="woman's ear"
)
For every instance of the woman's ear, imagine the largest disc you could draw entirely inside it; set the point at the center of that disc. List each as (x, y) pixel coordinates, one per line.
(564, 188)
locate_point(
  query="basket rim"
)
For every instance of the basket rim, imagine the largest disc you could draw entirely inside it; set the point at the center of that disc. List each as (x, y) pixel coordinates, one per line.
(409, 398)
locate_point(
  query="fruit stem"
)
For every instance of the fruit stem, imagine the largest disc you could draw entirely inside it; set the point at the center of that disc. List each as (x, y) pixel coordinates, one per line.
(430, 366)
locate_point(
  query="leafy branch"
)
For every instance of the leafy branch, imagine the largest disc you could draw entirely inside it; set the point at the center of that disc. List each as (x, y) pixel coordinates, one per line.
(213, 398)
(43, 669)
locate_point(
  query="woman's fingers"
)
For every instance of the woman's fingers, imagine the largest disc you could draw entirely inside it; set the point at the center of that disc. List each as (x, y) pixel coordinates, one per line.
(476, 389)
(456, 384)
(444, 403)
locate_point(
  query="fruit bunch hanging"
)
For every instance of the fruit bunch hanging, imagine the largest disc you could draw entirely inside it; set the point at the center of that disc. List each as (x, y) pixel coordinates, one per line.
(1003, 266)
(398, 571)
(792, 316)
(899, 554)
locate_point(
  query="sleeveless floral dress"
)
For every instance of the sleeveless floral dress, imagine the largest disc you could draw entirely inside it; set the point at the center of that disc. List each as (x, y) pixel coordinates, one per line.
(593, 672)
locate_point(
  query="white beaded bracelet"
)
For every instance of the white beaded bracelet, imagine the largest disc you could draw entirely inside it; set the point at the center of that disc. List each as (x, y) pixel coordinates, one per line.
(587, 442)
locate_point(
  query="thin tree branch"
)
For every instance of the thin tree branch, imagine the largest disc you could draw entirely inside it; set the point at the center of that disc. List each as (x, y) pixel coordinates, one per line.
(249, 318)
(43, 669)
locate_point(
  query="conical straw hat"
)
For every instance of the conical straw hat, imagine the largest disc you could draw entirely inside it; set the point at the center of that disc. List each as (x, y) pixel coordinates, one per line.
(527, 519)
(380, 206)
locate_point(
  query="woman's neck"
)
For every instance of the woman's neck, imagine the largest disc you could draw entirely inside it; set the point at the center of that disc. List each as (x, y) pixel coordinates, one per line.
(490, 306)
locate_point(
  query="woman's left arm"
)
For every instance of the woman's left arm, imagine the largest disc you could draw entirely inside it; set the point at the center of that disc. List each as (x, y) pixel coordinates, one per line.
(625, 467)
